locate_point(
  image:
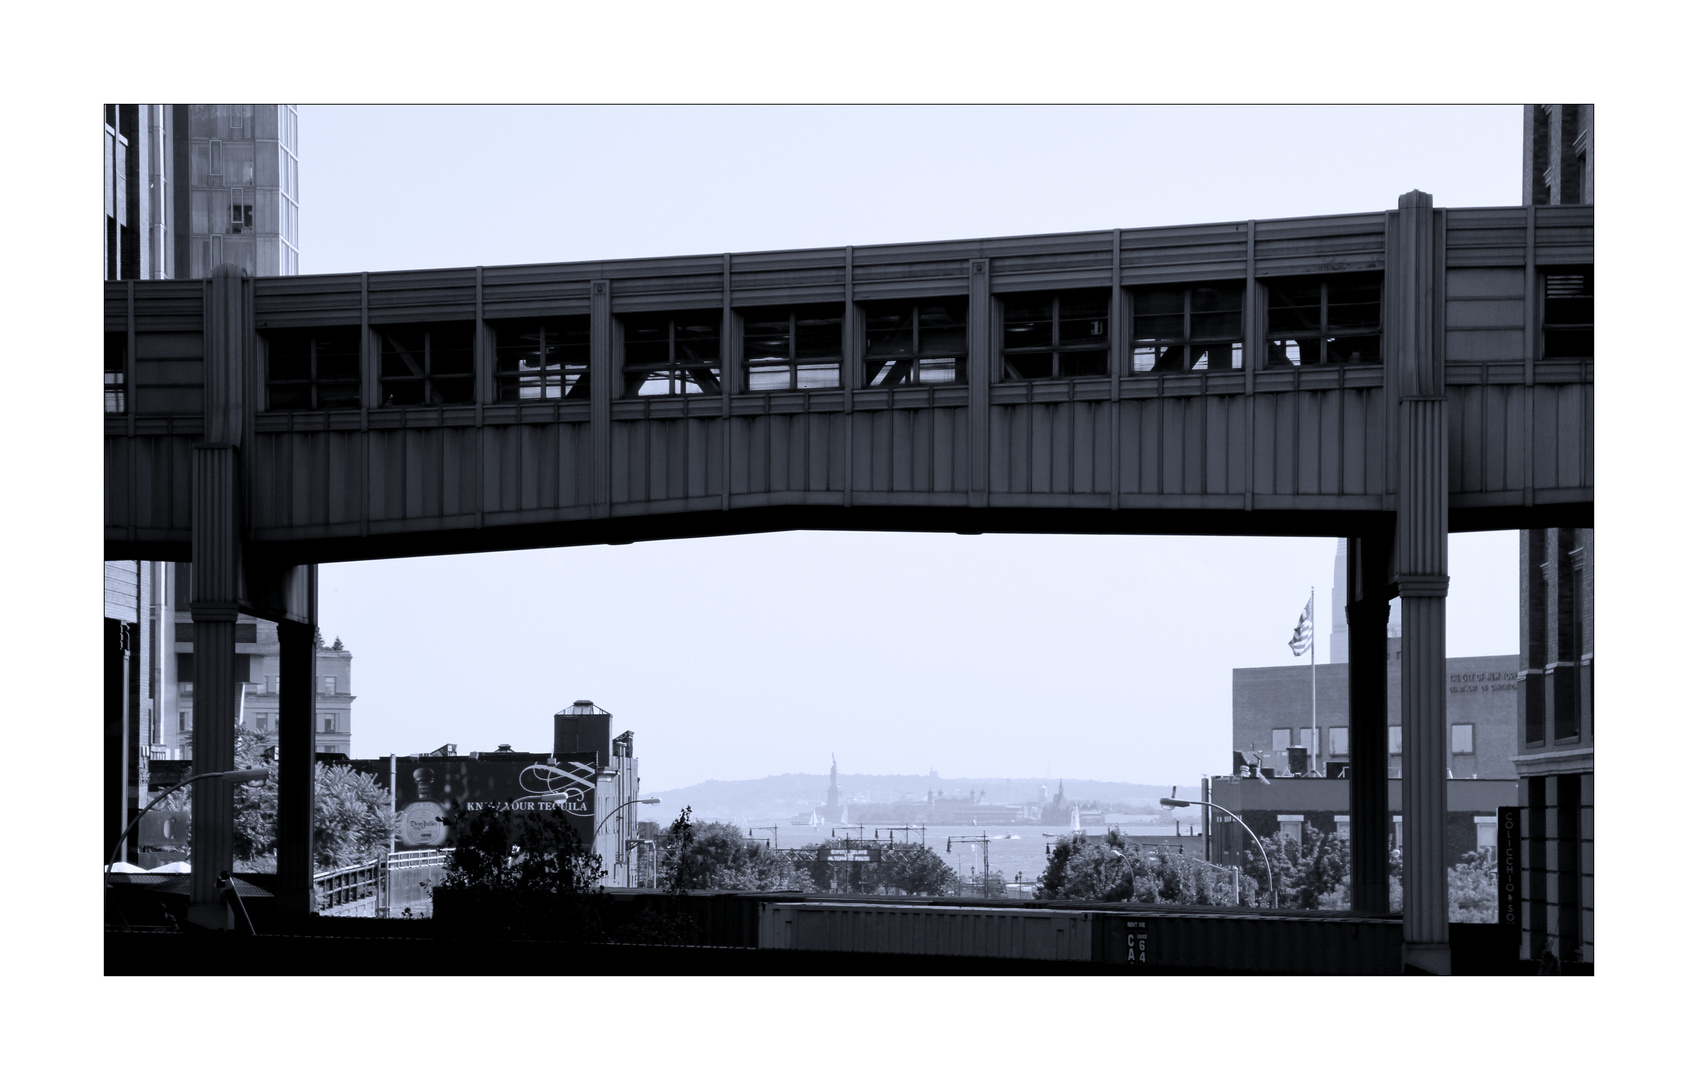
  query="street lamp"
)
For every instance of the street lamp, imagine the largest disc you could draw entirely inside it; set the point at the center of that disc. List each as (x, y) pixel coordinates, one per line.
(611, 813)
(229, 776)
(1273, 890)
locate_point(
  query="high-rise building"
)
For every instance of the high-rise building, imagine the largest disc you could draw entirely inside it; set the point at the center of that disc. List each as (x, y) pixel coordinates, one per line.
(238, 189)
(187, 188)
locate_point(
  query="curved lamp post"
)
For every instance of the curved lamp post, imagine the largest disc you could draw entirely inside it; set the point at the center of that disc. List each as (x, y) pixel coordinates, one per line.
(1273, 890)
(229, 776)
(611, 813)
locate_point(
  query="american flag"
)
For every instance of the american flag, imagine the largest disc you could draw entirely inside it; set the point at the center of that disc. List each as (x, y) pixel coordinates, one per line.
(1303, 637)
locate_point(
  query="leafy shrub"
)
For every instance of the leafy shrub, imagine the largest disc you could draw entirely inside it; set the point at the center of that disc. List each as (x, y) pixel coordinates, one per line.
(521, 874)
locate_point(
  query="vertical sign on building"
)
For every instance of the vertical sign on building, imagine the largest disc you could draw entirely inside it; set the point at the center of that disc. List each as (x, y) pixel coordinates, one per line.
(1509, 866)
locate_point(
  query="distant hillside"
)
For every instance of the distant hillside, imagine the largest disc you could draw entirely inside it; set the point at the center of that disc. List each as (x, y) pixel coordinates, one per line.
(798, 793)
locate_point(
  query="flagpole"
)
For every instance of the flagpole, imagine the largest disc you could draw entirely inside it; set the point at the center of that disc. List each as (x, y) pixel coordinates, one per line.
(1314, 728)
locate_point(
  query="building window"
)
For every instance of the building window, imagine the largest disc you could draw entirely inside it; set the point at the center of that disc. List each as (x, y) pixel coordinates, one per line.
(1324, 320)
(1397, 831)
(313, 369)
(793, 349)
(1055, 335)
(1291, 828)
(329, 684)
(241, 210)
(262, 723)
(271, 684)
(1200, 328)
(1338, 742)
(1462, 738)
(215, 170)
(327, 722)
(671, 354)
(1341, 828)
(1567, 322)
(543, 361)
(916, 342)
(1565, 680)
(116, 341)
(185, 721)
(1486, 832)
(1536, 589)
(1281, 739)
(426, 365)
(1394, 739)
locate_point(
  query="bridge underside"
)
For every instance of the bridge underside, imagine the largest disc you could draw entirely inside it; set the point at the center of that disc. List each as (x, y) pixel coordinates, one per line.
(967, 521)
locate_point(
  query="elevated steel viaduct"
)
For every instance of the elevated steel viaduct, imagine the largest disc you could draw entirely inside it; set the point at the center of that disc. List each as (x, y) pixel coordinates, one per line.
(1390, 377)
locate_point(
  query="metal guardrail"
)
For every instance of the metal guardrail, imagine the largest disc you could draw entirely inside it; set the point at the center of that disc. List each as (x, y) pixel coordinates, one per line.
(407, 880)
(348, 890)
(384, 886)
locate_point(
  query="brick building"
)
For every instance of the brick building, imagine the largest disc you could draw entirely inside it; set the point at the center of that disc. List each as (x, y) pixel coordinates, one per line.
(1554, 759)
(1271, 708)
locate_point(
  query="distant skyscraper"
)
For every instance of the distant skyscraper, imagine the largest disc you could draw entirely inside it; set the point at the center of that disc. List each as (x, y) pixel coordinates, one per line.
(188, 187)
(238, 189)
(1338, 642)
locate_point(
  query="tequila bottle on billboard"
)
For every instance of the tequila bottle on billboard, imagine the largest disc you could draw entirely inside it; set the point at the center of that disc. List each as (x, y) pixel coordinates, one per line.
(421, 820)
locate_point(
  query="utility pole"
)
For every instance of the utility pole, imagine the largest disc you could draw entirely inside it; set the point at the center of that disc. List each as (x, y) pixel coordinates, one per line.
(984, 841)
(906, 831)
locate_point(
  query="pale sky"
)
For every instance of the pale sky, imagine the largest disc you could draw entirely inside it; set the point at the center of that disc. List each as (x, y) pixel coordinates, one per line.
(1101, 657)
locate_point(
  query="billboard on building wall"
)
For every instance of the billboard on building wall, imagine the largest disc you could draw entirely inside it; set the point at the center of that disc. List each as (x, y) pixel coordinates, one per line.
(431, 791)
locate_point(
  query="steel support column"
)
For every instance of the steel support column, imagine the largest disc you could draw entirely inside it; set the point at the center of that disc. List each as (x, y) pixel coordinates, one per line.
(216, 551)
(981, 369)
(1422, 539)
(297, 663)
(116, 668)
(606, 384)
(1367, 610)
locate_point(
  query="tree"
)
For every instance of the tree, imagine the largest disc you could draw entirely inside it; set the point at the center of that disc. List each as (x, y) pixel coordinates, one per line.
(521, 851)
(351, 819)
(916, 870)
(1112, 868)
(1310, 870)
(1474, 887)
(521, 874)
(714, 855)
